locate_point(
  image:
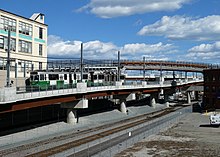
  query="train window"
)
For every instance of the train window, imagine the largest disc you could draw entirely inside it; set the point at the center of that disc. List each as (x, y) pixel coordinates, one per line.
(85, 76)
(74, 76)
(101, 77)
(41, 76)
(36, 78)
(32, 77)
(53, 77)
(122, 77)
(95, 77)
(65, 76)
(61, 77)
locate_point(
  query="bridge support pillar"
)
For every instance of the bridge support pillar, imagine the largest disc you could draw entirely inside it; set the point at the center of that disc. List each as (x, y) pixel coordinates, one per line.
(123, 107)
(153, 99)
(71, 116)
(167, 104)
(188, 98)
(153, 102)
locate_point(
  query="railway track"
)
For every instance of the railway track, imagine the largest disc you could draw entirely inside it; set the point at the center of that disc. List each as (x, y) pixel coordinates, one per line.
(87, 135)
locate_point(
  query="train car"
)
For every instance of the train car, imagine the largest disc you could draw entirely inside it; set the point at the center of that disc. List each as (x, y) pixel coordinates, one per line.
(43, 80)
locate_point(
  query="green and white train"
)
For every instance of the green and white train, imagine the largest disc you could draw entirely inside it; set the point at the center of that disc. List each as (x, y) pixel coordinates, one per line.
(43, 80)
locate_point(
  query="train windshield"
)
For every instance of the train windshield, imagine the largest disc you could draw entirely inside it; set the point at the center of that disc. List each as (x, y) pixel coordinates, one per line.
(34, 77)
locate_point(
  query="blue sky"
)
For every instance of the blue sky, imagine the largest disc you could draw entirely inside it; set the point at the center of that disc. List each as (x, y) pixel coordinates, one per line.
(183, 30)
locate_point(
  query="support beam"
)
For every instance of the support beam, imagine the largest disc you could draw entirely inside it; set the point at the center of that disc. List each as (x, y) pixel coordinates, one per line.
(131, 96)
(83, 103)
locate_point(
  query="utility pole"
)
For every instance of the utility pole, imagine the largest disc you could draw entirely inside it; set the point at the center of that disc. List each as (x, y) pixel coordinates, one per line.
(81, 62)
(119, 66)
(8, 59)
(144, 67)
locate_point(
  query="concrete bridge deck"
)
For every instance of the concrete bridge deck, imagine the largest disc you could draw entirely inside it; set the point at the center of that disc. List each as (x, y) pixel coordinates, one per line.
(10, 100)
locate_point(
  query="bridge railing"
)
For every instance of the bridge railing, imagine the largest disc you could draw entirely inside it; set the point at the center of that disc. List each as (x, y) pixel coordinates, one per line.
(29, 89)
(34, 89)
(8, 95)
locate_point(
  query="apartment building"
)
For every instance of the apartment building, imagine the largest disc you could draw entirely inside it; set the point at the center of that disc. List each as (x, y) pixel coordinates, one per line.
(28, 45)
(212, 89)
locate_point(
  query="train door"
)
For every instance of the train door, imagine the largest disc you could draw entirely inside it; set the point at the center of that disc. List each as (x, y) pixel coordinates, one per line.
(70, 78)
(53, 78)
(85, 77)
(66, 79)
(75, 80)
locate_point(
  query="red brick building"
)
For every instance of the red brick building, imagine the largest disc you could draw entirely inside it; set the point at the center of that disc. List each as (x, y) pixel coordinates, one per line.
(212, 89)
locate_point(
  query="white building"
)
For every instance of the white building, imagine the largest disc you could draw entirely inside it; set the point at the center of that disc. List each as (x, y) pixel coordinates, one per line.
(28, 48)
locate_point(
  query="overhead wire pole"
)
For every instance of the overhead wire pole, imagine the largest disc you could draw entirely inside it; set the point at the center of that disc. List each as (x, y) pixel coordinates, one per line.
(81, 62)
(8, 59)
(119, 65)
(144, 67)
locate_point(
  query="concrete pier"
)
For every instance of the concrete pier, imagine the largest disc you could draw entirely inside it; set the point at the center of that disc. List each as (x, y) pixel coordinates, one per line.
(71, 116)
(123, 108)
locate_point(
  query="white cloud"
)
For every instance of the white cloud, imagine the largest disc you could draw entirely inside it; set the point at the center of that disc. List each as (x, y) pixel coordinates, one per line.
(116, 8)
(180, 27)
(208, 52)
(93, 49)
(142, 48)
(59, 48)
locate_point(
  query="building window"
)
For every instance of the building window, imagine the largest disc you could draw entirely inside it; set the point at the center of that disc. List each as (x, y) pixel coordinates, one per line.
(1, 42)
(25, 28)
(24, 46)
(213, 89)
(207, 88)
(40, 33)
(24, 64)
(4, 43)
(40, 49)
(213, 78)
(40, 66)
(7, 23)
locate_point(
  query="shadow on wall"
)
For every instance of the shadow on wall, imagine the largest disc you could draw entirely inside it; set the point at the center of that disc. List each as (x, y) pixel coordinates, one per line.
(197, 107)
(96, 106)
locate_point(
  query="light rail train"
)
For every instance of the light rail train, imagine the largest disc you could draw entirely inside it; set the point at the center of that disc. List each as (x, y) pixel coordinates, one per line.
(44, 80)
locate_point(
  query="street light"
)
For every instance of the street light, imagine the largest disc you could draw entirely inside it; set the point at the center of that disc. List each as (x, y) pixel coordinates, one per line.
(8, 59)
(81, 63)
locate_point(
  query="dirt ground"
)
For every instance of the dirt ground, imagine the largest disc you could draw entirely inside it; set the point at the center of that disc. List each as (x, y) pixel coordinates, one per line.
(192, 136)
